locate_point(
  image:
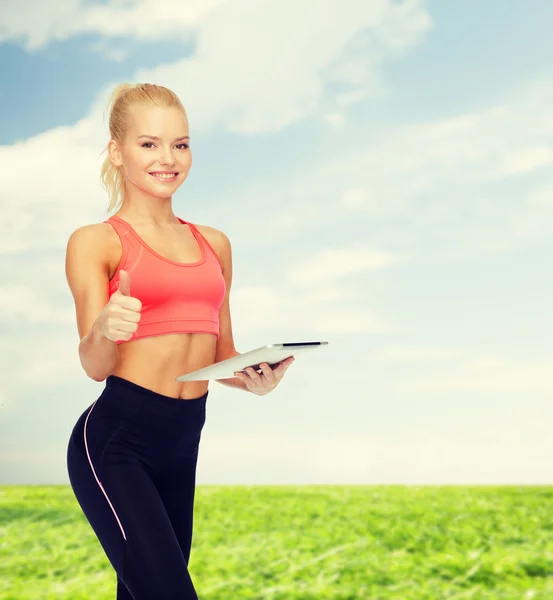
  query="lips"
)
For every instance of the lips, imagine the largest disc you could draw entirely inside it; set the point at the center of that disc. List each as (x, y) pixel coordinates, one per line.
(164, 175)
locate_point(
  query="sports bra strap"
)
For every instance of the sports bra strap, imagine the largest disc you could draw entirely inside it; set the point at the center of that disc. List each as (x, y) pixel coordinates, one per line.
(207, 244)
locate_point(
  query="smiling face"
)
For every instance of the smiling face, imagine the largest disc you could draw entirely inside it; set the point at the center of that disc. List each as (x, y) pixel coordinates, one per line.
(155, 156)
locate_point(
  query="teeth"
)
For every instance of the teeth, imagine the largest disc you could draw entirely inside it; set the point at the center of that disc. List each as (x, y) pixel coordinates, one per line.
(164, 175)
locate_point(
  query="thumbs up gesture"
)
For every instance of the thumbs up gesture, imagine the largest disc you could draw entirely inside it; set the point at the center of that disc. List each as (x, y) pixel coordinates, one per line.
(119, 318)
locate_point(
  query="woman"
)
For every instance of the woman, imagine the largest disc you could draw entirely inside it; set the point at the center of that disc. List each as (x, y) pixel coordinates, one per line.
(151, 294)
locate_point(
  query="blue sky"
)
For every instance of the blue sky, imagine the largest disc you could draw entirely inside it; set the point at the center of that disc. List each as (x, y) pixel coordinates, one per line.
(383, 170)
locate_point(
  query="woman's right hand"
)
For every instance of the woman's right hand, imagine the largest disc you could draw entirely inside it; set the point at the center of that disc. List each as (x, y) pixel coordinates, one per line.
(119, 318)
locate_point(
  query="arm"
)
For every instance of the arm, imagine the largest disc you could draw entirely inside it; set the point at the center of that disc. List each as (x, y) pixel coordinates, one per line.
(225, 344)
(86, 270)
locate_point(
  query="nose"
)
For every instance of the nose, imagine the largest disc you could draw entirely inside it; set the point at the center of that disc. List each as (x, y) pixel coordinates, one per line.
(166, 157)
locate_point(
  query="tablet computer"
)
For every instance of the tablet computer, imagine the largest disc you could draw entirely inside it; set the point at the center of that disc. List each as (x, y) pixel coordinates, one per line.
(272, 354)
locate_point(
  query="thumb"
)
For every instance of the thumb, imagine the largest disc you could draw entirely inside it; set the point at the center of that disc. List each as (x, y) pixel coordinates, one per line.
(124, 283)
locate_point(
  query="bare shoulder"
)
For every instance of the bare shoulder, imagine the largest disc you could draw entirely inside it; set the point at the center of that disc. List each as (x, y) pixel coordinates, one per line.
(87, 264)
(99, 239)
(91, 236)
(217, 239)
(212, 232)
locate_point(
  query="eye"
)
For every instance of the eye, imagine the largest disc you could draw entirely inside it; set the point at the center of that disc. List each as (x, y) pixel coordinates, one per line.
(145, 144)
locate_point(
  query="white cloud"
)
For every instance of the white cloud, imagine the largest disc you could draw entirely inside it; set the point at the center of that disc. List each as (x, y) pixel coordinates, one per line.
(445, 184)
(354, 198)
(37, 24)
(425, 159)
(335, 119)
(37, 359)
(414, 354)
(31, 305)
(541, 198)
(525, 160)
(335, 263)
(350, 321)
(257, 70)
(289, 310)
(144, 20)
(421, 458)
(109, 50)
(486, 373)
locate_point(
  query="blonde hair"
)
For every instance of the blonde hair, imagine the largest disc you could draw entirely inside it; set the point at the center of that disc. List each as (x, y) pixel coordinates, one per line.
(122, 97)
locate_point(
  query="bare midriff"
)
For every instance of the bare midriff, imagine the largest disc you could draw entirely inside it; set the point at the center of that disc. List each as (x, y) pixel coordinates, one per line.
(155, 362)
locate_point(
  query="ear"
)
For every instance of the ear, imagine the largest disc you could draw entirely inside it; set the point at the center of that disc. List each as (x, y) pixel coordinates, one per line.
(114, 153)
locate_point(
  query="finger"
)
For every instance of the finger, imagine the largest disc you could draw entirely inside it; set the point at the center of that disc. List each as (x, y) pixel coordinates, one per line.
(132, 316)
(267, 372)
(255, 376)
(126, 327)
(246, 379)
(129, 303)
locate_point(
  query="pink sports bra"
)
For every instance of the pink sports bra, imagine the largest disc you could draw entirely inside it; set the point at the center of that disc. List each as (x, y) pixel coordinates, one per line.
(176, 297)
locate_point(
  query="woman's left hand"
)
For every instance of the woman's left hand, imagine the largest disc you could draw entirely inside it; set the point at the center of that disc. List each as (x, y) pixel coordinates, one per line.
(266, 381)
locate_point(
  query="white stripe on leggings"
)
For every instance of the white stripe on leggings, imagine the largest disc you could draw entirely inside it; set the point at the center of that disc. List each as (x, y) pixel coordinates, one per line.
(92, 467)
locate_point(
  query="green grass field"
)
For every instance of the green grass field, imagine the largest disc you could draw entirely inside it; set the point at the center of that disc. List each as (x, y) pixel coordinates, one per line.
(304, 542)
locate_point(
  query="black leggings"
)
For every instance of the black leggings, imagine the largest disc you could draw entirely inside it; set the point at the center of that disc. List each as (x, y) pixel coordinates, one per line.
(131, 460)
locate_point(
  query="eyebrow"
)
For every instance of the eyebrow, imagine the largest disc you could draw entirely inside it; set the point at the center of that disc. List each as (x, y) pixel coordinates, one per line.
(154, 137)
